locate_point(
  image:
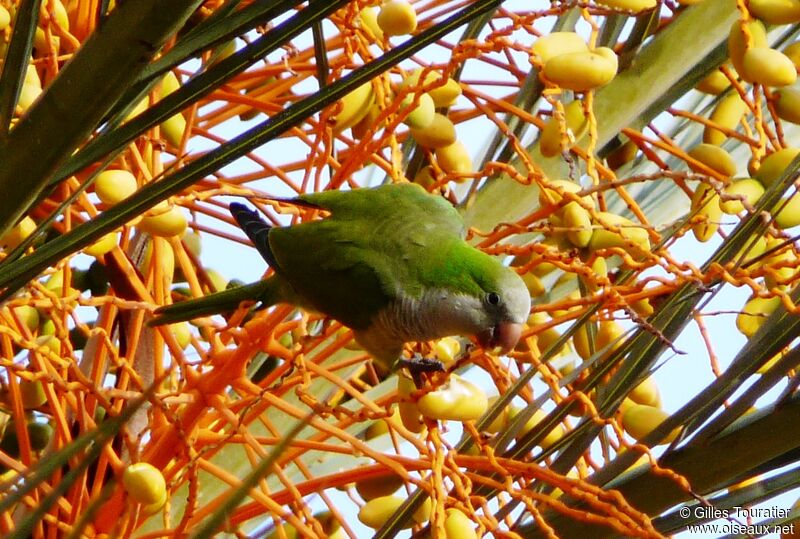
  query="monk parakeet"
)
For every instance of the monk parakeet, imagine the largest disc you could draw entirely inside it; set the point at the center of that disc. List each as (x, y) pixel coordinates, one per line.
(391, 263)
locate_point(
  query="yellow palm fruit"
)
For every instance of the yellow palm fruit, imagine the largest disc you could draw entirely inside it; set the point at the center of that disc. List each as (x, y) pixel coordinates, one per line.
(27, 315)
(457, 525)
(787, 104)
(114, 185)
(167, 223)
(714, 158)
(576, 123)
(774, 164)
(780, 266)
(439, 133)
(558, 43)
(714, 83)
(422, 115)
(643, 307)
(768, 67)
(571, 297)
(28, 94)
(444, 95)
(728, 113)
(550, 195)
(628, 235)
(5, 18)
(39, 434)
(368, 17)
(144, 483)
(552, 437)
(408, 414)
(634, 6)
(47, 326)
(747, 188)
(218, 281)
(639, 420)
(380, 427)
(57, 10)
(608, 332)
(705, 202)
(752, 250)
(32, 393)
(18, 234)
(220, 52)
(543, 268)
(792, 51)
(501, 421)
(354, 106)
(454, 158)
(578, 222)
(408, 410)
(377, 487)
(285, 530)
(775, 11)
(600, 269)
(40, 42)
(543, 339)
(56, 13)
(447, 349)
(622, 155)
(788, 212)
(102, 246)
(582, 71)
(375, 512)
(755, 313)
(169, 83)
(626, 403)
(533, 284)
(172, 129)
(192, 241)
(646, 393)
(181, 333)
(139, 108)
(32, 77)
(737, 44)
(397, 18)
(152, 508)
(455, 400)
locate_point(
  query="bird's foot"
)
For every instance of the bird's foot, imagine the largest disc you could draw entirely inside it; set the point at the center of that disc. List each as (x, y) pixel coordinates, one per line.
(418, 365)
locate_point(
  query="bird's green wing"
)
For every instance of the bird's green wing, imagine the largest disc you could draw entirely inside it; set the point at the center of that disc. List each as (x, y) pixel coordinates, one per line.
(393, 202)
(330, 267)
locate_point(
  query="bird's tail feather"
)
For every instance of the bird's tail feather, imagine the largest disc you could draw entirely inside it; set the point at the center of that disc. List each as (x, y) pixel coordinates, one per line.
(256, 229)
(267, 292)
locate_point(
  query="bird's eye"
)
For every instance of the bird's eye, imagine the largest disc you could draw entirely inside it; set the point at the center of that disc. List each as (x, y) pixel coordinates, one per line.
(493, 298)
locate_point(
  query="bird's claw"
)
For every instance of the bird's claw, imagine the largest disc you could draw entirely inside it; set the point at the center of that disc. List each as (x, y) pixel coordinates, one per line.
(418, 365)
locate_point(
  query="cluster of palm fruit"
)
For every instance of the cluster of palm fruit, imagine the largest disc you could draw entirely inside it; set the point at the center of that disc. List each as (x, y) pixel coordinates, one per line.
(581, 241)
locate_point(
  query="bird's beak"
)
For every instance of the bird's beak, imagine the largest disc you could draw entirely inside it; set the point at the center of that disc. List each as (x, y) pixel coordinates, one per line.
(504, 335)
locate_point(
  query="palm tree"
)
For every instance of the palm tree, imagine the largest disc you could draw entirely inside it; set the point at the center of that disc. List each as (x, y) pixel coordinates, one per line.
(126, 119)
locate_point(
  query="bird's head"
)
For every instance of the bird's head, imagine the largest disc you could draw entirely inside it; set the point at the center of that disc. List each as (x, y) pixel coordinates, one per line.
(478, 296)
(506, 304)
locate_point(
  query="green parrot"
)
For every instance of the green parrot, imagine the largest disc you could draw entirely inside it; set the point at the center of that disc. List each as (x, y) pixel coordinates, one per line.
(390, 262)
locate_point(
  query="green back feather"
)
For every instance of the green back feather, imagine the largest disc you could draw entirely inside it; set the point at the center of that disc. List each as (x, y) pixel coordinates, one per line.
(379, 245)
